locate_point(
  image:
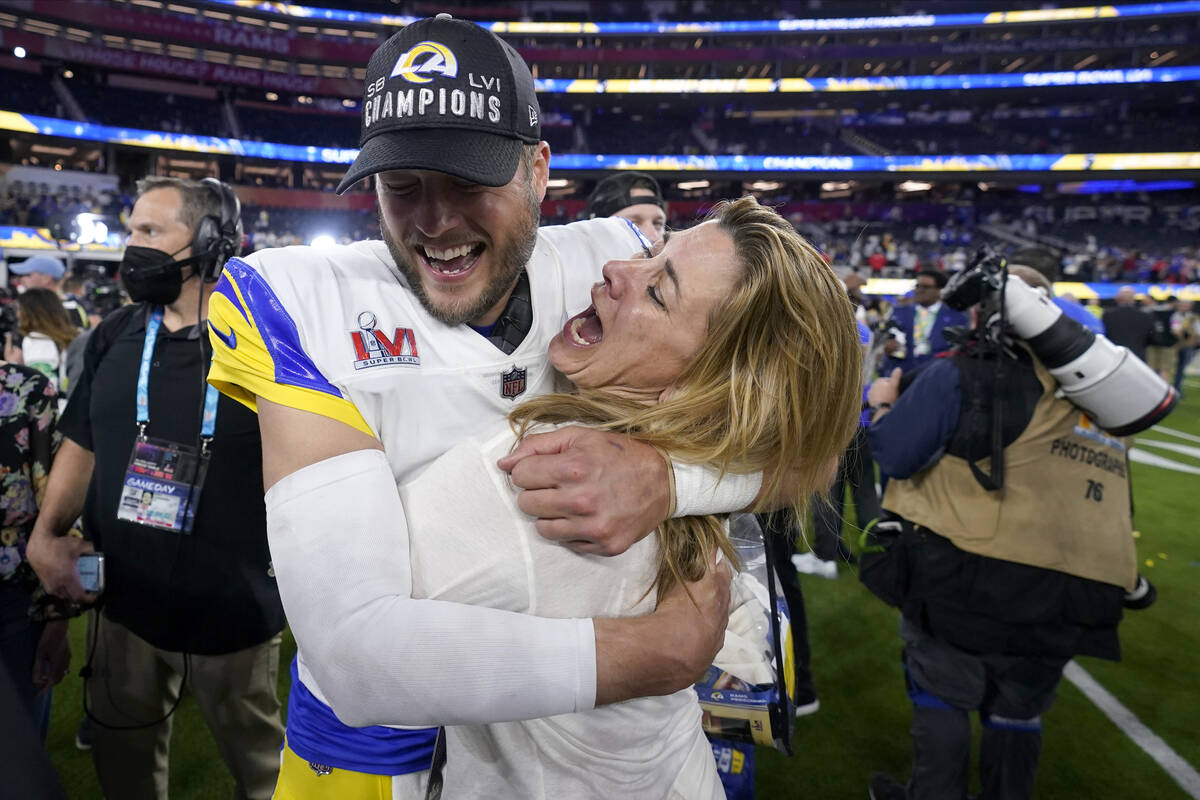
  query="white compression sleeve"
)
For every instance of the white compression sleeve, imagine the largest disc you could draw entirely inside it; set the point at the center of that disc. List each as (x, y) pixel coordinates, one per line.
(339, 544)
(700, 490)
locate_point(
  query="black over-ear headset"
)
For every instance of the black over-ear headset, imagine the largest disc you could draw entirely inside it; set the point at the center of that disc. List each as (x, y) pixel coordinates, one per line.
(219, 238)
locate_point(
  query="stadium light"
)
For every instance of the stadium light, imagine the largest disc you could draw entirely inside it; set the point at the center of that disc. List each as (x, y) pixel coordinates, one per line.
(92, 229)
(19, 52)
(323, 241)
(914, 186)
(557, 183)
(689, 185)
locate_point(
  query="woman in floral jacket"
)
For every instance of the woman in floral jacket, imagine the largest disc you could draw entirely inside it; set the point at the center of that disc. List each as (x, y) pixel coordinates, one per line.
(35, 652)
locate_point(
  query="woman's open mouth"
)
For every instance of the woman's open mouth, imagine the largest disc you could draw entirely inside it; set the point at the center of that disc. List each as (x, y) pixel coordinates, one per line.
(584, 329)
(450, 263)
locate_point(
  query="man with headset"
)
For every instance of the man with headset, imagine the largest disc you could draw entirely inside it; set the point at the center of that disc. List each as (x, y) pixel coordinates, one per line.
(189, 594)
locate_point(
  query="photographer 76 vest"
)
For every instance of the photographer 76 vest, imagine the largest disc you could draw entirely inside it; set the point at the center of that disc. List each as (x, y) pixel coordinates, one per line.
(1065, 501)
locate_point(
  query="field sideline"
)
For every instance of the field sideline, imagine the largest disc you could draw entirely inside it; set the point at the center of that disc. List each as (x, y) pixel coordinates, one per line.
(863, 722)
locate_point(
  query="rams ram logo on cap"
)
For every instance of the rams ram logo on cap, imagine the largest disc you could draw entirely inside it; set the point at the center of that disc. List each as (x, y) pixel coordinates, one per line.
(440, 61)
(449, 96)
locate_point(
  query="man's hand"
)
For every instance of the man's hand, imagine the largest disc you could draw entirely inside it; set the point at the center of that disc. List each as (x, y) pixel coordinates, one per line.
(55, 559)
(891, 346)
(51, 553)
(593, 491)
(668, 650)
(53, 656)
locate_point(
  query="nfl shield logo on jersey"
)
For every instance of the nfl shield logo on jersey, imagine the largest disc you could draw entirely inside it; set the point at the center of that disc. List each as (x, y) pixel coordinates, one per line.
(512, 383)
(320, 769)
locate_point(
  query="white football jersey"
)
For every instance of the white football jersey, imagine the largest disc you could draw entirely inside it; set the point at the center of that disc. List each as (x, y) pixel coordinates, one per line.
(337, 332)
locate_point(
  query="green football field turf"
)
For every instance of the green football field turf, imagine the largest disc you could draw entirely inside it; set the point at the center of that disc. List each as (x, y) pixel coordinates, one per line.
(862, 725)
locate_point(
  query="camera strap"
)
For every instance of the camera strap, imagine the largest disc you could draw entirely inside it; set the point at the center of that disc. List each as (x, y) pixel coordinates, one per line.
(995, 481)
(782, 716)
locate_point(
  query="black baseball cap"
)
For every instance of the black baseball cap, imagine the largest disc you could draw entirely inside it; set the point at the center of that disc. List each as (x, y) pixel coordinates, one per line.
(613, 194)
(446, 95)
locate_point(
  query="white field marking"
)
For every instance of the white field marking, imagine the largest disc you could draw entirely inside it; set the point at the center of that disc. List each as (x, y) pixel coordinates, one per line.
(1180, 771)
(1185, 449)
(1154, 460)
(1191, 437)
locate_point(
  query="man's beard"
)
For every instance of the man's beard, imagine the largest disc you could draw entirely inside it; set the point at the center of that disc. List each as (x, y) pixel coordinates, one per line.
(507, 265)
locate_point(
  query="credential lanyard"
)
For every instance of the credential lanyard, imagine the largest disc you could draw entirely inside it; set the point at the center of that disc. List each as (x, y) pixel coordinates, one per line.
(207, 425)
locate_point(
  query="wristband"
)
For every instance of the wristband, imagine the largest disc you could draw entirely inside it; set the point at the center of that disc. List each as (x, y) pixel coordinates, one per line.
(701, 490)
(672, 498)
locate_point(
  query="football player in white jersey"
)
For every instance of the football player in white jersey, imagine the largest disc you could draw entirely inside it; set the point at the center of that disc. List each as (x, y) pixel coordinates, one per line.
(410, 345)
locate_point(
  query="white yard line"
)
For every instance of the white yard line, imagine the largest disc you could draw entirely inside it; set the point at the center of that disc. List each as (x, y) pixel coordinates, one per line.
(1176, 433)
(1180, 771)
(1175, 447)
(1139, 456)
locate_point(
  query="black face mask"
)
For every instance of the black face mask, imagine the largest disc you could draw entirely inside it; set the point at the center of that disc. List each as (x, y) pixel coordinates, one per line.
(153, 276)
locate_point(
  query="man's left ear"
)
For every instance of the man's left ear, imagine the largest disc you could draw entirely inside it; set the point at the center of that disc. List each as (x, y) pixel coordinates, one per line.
(541, 169)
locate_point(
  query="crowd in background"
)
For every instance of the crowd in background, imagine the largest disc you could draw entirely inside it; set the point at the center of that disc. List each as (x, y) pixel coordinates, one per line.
(868, 232)
(34, 205)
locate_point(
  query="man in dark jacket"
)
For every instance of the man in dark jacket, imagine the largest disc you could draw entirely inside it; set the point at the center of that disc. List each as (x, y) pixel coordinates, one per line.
(1128, 325)
(924, 324)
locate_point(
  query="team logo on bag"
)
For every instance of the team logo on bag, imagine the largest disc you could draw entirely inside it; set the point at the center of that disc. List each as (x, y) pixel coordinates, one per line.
(512, 383)
(374, 348)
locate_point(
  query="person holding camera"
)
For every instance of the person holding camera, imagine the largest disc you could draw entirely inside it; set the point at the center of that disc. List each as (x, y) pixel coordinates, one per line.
(167, 475)
(1012, 547)
(922, 325)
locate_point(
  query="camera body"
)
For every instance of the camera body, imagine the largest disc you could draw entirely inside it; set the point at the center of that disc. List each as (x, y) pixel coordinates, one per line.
(1116, 388)
(888, 330)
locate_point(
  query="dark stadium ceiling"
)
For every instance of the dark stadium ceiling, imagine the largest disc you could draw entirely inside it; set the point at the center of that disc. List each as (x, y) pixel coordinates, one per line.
(596, 10)
(635, 10)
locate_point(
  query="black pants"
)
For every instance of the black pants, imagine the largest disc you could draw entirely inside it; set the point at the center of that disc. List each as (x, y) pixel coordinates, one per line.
(1010, 693)
(782, 526)
(857, 469)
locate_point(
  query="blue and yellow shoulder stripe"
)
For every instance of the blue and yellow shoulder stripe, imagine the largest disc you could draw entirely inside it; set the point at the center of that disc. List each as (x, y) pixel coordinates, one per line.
(257, 351)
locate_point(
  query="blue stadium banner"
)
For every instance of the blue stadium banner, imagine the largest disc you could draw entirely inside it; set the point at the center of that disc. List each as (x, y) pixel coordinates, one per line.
(904, 21)
(69, 129)
(882, 83)
(895, 287)
(1040, 162)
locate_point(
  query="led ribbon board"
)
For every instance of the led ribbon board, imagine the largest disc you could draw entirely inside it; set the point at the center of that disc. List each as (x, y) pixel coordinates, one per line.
(895, 287)
(1040, 162)
(885, 83)
(745, 26)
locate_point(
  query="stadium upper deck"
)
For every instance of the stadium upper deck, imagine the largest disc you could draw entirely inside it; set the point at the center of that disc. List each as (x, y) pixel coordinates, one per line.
(239, 43)
(960, 89)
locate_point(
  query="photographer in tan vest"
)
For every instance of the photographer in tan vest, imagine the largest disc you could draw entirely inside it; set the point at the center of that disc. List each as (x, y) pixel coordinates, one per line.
(1011, 546)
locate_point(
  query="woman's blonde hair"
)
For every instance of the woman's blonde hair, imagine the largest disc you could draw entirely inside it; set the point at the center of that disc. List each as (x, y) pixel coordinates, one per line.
(40, 311)
(776, 386)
